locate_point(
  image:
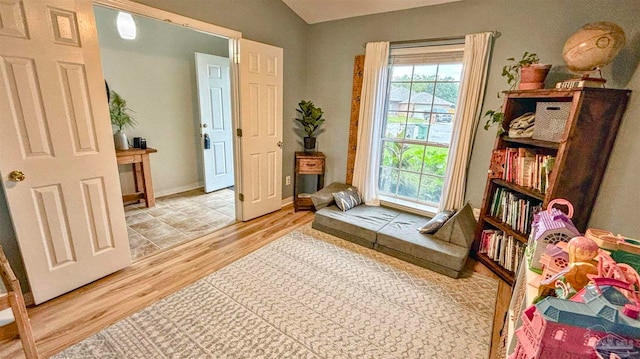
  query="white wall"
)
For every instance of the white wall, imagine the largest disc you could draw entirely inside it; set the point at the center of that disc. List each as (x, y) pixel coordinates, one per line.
(155, 73)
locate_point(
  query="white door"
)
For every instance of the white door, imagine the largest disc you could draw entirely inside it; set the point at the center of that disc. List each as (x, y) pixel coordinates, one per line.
(261, 124)
(55, 128)
(214, 94)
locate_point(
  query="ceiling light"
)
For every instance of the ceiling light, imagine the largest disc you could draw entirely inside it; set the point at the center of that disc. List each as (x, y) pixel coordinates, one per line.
(126, 26)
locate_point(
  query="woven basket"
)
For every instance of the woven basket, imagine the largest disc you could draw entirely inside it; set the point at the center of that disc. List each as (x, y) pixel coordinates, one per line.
(551, 118)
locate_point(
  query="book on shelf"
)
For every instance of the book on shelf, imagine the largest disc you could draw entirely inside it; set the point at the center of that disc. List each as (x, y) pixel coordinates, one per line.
(522, 166)
(503, 249)
(514, 209)
(581, 82)
(496, 166)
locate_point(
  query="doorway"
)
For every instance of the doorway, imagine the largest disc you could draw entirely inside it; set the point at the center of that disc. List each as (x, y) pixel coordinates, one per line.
(156, 73)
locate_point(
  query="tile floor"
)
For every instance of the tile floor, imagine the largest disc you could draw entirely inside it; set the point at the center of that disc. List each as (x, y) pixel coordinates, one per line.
(177, 218)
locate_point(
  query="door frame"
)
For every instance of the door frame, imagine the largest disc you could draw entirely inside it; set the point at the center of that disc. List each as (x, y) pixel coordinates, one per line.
(232, 36)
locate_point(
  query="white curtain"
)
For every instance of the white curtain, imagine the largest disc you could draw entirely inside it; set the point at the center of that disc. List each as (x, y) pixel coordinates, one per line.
(475, 64)
(372, 105)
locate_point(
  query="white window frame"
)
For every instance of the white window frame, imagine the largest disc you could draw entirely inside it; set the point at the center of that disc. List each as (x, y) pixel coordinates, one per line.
(432, 54)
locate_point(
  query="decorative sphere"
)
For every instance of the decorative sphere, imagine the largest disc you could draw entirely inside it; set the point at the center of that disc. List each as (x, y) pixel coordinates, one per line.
(593, 46)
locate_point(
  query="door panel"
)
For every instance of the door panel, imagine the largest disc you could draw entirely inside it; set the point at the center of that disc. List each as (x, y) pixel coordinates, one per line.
(55, 128)
(214, 87)
(261, 122)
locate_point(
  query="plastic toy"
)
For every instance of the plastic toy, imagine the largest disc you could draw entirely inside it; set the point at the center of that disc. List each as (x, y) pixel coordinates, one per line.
(554, 260)
(623, 250)
(550, 227)
(580, 269)
(556, 328)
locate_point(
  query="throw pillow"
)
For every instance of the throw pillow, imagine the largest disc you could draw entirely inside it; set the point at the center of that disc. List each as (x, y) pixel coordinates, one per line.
(347, 199)
(436, 222)
(324, 197)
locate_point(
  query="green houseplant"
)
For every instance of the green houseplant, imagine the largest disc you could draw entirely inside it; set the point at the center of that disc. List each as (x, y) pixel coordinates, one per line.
(310, 119)
(120, 118)
(527, 73)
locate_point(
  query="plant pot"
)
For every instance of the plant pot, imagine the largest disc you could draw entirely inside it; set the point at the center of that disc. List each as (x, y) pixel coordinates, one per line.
(533, 76)
(309, 143)
(120, 140)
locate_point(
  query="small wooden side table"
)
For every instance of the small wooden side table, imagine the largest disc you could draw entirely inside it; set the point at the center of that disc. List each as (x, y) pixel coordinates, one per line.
(307, 164)
(139, 158)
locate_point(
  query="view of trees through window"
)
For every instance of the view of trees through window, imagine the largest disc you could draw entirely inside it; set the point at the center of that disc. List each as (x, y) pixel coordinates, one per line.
(421, 106)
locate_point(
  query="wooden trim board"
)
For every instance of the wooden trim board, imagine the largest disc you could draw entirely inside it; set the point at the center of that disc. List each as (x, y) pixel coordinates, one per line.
(358, 70)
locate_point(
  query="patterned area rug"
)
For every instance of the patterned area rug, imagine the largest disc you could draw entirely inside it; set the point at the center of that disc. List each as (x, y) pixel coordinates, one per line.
(309, 295)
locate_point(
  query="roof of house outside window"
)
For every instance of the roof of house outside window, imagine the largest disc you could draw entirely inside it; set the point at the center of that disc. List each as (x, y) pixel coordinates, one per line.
(401, 95)
(426, 98)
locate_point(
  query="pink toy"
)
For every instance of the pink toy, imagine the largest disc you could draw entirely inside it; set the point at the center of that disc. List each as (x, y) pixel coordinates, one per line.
(608, 268)
(556, 328)
(550, 227)
(554, 260)
(609, 241)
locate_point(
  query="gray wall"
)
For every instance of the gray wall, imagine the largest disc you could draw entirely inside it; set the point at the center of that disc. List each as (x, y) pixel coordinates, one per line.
(270, 22)
(9, 244)
(156, 74)
(535, 26)
(617, 206)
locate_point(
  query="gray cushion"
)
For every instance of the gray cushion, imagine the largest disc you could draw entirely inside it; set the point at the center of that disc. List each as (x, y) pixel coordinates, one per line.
(324, 197)
(401, 235)
(460, 228)
(362, 221)
(436, 222)
(347, 199)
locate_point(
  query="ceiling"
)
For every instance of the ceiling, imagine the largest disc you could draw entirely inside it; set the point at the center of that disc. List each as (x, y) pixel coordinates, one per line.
(314, 11)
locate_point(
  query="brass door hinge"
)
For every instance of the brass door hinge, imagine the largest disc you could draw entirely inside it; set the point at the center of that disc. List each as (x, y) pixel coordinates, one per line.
(241, 197)
(239, 132)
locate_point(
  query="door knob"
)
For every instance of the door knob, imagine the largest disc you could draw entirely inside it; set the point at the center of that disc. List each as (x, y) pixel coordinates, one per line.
(17, 176)
(279, 144)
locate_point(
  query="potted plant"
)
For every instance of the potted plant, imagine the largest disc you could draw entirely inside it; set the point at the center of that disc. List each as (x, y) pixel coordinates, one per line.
(120, 118)
(527, 73)
(310, 119)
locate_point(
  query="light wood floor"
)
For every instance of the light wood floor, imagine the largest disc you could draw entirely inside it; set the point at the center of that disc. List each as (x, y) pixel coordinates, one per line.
(68, 319)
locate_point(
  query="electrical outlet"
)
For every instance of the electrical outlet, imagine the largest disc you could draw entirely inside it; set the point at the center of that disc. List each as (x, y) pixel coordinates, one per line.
(287, 180)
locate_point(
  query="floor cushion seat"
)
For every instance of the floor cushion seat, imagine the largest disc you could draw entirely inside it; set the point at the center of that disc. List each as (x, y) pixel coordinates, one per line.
(394, 232)
(360, 224)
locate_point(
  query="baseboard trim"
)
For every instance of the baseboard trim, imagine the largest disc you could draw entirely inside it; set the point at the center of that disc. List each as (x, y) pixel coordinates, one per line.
(174, 190)
(287, 201)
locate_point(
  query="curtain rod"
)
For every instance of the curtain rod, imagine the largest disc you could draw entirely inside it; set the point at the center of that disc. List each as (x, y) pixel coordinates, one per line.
(408, 42)
(496, 34)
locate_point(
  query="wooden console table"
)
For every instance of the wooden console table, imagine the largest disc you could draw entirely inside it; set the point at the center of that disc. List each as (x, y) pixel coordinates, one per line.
(139, 158)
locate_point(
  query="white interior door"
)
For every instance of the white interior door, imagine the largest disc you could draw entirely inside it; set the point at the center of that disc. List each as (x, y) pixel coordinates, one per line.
(55, 128)
(214, 94)
(260, 79)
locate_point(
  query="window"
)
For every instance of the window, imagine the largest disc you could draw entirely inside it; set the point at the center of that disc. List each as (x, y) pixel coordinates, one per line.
(422, 98)
(560, 334)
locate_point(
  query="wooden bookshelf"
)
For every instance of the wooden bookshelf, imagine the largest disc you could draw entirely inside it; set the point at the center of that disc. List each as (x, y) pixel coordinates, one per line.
(581, 155)
(531, 142)
(520, 189)
(497, 224)
(504, 274)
